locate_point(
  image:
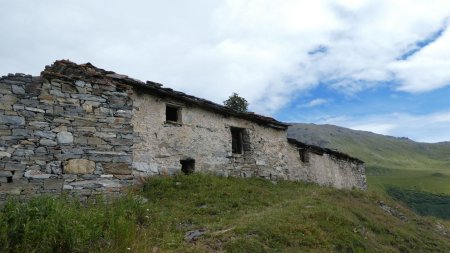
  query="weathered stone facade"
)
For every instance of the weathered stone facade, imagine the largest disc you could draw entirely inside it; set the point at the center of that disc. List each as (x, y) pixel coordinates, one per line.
(204, 136)
(84, 130)
(59, 134)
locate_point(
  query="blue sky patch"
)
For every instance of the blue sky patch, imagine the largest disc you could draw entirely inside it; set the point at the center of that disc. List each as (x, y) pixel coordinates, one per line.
(383, 99)
(423, 43)
(318, 50)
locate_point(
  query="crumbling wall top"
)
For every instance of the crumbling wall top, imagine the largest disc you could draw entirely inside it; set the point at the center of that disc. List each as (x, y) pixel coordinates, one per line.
(64, 69)
(320, 150)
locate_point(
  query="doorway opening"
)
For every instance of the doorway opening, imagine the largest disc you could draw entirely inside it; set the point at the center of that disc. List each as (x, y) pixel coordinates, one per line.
(237, 145)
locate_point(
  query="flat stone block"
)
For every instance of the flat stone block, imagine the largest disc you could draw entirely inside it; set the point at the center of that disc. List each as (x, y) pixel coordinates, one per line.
(85, 129)
(21, 132)
(93, 141)
(67, 187)
(113, 153)
(36, 174)
(89, 97)
(45, 134)
(16, 89)
(31, 109)
(6, 174)
(79, 166)
(6, 101)
(109, 183)
(39, 124)
(68, 88)
(47, 142)
(14, 166)
(105, 135)
(4, 154)
(124, 177)
(60, 129)
(5, 132)
(54, 184)
(117, 168)
(12, 120)
(64, 137)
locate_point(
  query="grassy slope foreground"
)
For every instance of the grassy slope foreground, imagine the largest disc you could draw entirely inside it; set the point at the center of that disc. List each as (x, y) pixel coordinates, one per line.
(390, 161)
(204, 213)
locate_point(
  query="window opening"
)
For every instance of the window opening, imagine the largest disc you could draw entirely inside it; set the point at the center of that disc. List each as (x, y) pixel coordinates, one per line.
(9, 179)
(236, 140)
(187, 166)
(303, 155)
(173, 113)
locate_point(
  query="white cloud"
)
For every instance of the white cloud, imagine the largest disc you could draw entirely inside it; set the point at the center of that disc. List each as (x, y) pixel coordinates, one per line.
(313, 103)
(362, 41)
(428, 69)
(258, 48)
(379, 128)
(431, 127)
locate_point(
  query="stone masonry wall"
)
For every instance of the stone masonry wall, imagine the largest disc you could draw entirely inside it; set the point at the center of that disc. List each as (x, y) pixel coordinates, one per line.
(204, 136)
(325, 169)
(328, 170)
(84, 131)
(64, 134)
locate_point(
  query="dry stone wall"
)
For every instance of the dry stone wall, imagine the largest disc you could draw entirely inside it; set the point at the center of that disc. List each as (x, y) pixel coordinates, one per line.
(68, 135)
(328, 170)
(84, 131)
(325, 168)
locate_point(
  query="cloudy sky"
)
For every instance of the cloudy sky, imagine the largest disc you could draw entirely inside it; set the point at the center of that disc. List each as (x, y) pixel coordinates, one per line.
(376, 65)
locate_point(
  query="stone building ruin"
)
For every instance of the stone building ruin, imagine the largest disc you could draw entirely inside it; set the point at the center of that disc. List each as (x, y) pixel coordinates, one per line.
(84, 130)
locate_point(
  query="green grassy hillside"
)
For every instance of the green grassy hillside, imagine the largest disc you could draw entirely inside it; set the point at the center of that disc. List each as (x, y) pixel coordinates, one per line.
(204, 213)
(389, 161)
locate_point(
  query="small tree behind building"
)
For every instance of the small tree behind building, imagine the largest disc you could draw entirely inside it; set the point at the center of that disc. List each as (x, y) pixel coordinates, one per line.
(236, 102)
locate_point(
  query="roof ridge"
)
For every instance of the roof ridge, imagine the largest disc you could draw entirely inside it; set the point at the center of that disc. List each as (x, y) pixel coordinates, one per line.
(66, 69)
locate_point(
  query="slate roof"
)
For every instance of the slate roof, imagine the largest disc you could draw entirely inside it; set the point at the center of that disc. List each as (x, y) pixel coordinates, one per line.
(321, 151)
(67, 70)
(64, 69)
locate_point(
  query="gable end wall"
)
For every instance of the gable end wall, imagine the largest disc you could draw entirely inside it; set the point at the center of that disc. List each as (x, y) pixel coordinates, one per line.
(58, 135)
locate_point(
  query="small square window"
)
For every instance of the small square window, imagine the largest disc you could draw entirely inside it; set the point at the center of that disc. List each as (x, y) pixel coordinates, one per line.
(188, 166)
(173, 113)
(304, 157)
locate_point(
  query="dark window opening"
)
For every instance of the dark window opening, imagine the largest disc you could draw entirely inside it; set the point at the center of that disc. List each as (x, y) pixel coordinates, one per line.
(173, 113)
(188, 166)
(237, 140)
(304, 155)
(9, 179)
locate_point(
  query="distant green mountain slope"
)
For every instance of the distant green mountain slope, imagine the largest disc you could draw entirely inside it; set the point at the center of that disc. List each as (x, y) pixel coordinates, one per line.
(392, 161)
